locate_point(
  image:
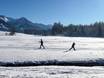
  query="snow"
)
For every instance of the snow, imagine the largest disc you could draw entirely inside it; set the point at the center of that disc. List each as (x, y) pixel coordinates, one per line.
(52, 72)
(3, 26)
(22, 47)
(4, 19)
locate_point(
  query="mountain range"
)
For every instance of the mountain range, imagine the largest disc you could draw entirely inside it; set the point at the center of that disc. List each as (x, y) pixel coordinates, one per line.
(22, 25)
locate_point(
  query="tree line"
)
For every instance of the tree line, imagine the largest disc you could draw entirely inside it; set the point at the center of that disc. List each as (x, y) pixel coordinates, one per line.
(92, 30)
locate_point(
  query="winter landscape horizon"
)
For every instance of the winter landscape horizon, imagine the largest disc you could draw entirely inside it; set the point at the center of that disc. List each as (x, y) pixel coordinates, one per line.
(21, 56)
(51, 39)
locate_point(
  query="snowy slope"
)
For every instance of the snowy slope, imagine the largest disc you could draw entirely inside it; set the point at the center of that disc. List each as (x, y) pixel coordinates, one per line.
(22, 47)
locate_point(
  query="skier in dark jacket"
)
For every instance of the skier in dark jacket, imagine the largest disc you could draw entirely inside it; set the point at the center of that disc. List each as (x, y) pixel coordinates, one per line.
(73, 46)
(41, 44)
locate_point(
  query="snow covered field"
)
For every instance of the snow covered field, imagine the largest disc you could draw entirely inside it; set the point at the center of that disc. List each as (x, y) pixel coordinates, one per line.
(21, 47)
(52, 72)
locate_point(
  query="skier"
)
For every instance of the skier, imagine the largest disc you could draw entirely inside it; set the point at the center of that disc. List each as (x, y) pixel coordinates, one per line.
(41, 44)
(73, 46)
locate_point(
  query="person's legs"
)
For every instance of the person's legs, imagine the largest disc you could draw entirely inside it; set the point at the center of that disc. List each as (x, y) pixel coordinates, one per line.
(43, 46)
(70, 48)
(40, 46)
(74, 48)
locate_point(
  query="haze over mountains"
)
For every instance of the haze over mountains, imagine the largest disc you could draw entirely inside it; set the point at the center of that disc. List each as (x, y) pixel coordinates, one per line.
(21, 25)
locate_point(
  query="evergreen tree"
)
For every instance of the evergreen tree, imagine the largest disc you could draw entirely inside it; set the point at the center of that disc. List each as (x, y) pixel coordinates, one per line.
(57, 28)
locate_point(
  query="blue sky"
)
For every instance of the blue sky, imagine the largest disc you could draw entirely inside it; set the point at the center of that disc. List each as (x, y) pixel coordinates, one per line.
(50, 11)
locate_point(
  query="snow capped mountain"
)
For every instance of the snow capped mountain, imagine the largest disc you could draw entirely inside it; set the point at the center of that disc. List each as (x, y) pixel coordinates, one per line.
(23, 20)
(3, 26)
(3, 18)
(22, 24)
(4, 23)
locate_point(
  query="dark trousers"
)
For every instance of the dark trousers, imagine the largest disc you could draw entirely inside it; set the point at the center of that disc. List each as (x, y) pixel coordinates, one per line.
(72, 48)
(42, 46)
